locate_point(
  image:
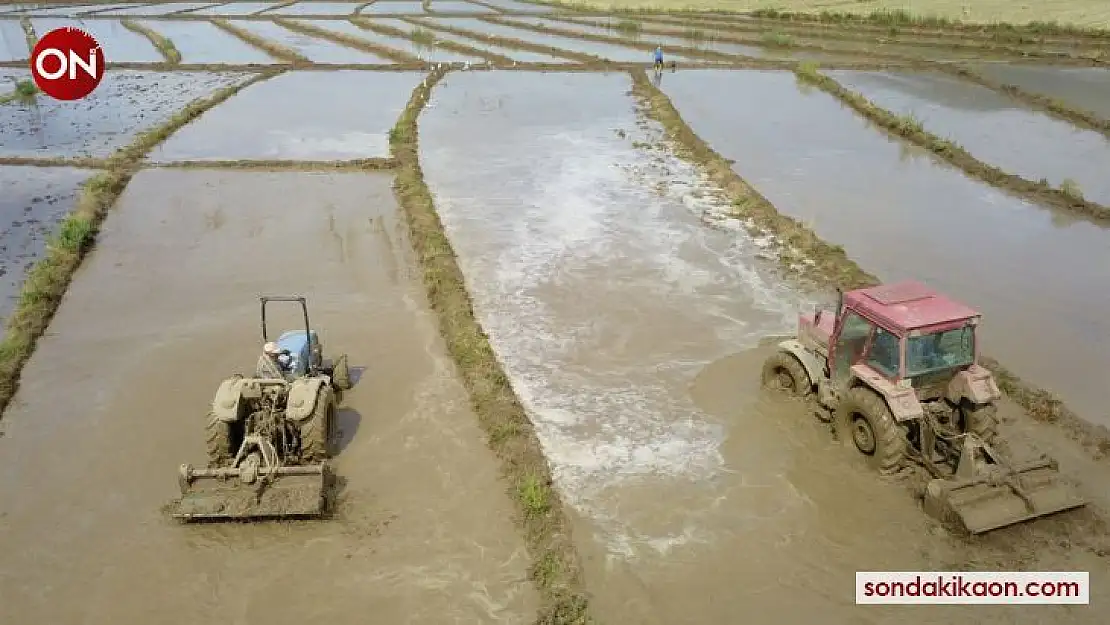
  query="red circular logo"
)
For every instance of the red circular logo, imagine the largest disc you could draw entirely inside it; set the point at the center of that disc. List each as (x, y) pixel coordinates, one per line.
(67, 63)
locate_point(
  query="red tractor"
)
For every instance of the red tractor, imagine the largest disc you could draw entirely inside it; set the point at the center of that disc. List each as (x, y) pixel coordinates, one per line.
(896, 367)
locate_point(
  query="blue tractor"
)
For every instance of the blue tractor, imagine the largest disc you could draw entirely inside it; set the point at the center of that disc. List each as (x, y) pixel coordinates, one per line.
(269, 436)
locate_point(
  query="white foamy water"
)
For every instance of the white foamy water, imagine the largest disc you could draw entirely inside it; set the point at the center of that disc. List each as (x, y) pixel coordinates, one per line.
(603, 276)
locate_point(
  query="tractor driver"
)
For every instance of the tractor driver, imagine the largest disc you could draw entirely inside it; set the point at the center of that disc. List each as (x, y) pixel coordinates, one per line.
(274, 362)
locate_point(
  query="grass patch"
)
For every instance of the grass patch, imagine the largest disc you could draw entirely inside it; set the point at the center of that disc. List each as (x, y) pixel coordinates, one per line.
(628, 28)
(777, 38)
(901, 18)
(164, 45)
(48, 279)
(423, 36)
(510, 434)
(1071, 189)
(25, 92)
(908, 127)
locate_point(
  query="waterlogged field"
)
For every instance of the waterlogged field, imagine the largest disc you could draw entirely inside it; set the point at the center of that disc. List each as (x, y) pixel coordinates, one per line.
(629, 291)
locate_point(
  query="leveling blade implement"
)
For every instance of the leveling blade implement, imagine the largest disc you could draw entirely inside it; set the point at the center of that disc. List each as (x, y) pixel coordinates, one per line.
(986, 493)
(236, 493)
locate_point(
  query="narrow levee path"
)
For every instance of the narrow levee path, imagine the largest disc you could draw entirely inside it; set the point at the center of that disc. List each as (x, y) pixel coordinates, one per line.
(628, 314)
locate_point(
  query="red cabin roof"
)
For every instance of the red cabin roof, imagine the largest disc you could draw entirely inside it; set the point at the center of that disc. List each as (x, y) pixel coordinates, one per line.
(908, 305)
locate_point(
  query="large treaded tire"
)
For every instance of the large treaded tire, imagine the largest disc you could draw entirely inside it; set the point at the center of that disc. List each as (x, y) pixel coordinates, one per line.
(981, 420)
(784, 373)
(341, 374)
(218, 439)
(863, 409)
(316, 431)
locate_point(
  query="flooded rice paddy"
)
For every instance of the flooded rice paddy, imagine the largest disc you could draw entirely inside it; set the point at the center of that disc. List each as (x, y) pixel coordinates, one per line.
(317, 8)
(429, 53)
(237, 8)
(1086, 88)
(393, 6)
(164, 8)
(317, 50)
(33, 201)
(523, 56)
(422, 532)
(993, 128)
(13, 42)
(1040, 278)
(126, 103)
(299, 116)
(204, 42)
(447, 6)
(631, 331)
(120, 44)
(660, 40)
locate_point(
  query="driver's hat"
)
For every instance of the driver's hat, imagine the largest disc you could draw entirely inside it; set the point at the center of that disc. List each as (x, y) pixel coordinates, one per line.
(270, 348)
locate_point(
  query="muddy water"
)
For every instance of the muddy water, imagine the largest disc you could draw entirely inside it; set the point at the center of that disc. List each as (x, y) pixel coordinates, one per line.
(237, 8)
(317, 8)
(423, 52)
(993, 128)
(33, 201)
(203, 42)
(120, 45)
(317, 50)
(630, 329)
(158, 9)
(125, 103)
(165, 308)
(13, 42)
(523, 56)
(611, 52)
(1087, 88)
(393, 7)
(288, 118)
(1041, 279)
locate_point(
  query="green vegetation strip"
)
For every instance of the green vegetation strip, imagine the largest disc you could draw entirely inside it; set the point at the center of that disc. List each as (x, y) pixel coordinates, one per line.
(46, 282)
(831, 265)
(555, 566)
(1057, 108)
(901, 18)
(29, 33)
(274, 49)
(423, 37)
(344, 39)
(509, 42)
(24, 93)
(164, 45)
(1067, 198)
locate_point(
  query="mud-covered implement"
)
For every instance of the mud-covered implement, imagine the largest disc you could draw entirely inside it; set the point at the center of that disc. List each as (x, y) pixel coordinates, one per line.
(896, 368)
(268, 436)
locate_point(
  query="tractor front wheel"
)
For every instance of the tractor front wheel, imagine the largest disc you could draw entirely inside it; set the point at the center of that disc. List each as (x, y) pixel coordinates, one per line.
(341, 374)
(316, 432)
(873, 430)
(218, 437)
(784, 373)
(981, 420)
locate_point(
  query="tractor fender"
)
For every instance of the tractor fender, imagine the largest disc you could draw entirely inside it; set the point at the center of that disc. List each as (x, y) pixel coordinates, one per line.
(303, 393)
(975, 384)
(226, 405)
(809, 361)
(902, 402)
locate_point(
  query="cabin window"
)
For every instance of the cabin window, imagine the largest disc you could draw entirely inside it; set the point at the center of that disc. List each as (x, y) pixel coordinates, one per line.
(854, 333)
(939, 351)
(884, 353)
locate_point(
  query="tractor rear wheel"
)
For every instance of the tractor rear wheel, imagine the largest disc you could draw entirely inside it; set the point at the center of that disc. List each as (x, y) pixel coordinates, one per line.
(218, 437)
(981, 420)
(784, 373)
(316, 432)
(873, 430)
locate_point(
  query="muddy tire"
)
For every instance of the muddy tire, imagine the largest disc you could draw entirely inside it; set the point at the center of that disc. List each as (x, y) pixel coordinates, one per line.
(785, 374)
(981, 420)
(219, 440)
(316, 432)
(872, 430)
(341, 374)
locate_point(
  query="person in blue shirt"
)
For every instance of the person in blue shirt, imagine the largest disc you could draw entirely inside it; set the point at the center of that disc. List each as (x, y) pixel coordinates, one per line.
(659, 57)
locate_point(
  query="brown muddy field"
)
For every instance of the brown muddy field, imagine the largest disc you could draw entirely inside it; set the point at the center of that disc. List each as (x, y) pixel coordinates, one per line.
(163, 311)
(628, 305)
